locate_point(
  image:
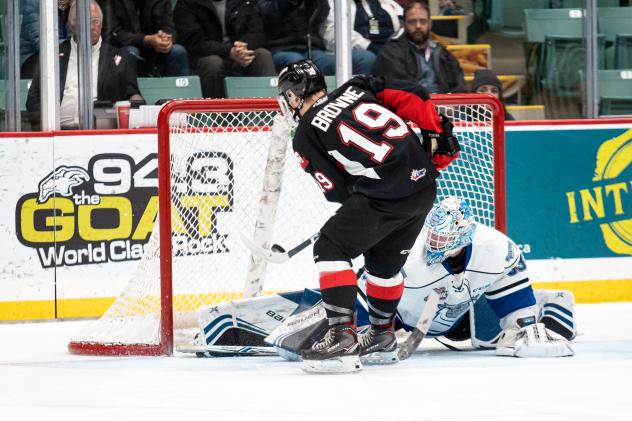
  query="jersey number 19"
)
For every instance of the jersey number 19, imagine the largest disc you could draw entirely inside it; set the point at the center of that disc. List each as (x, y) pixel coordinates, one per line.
(373, 116)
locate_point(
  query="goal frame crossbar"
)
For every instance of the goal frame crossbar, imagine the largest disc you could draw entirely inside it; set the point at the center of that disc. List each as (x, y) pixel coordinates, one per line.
(166, 334)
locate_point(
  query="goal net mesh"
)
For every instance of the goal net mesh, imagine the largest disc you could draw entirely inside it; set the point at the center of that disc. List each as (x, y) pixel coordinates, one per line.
(217, 166)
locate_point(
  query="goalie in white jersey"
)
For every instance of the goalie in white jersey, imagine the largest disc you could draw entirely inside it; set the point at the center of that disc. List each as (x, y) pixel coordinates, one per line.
(463, 261)
(479, 274)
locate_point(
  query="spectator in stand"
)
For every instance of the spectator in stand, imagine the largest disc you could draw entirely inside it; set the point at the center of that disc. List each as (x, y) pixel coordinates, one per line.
(450, 8)
(373, 22)
(292, 29)
(486, 82)
(223, 38)
(145, 29)
(113, 72)
(29, 34)
(412, 55)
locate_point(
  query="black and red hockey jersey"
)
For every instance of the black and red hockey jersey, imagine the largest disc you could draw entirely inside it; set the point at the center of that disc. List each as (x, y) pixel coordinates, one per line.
(355, 139)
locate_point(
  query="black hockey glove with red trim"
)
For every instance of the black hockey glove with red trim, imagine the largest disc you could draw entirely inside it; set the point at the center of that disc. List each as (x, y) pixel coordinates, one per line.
(447, 145)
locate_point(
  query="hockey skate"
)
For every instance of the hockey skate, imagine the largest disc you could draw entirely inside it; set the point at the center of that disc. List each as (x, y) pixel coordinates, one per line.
(378, 346)
(337, 352)
(530, 339)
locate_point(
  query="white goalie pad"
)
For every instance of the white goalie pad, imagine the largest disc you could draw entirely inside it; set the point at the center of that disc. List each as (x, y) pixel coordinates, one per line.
(253, 318)
(532, 341)
(556, 309)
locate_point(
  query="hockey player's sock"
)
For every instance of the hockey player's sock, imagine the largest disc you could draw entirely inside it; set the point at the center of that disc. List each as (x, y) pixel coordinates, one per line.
(383, 295)
(338, 286)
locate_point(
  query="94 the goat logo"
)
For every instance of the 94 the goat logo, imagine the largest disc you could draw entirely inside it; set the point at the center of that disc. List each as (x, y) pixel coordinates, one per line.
(61, 181)
(107, 211)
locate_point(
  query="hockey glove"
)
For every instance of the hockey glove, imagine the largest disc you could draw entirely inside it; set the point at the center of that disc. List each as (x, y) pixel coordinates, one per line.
(447, 145)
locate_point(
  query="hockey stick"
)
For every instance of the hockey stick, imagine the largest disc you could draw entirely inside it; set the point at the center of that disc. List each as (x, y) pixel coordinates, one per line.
(276, 253)
(228, 350)
(410, 345)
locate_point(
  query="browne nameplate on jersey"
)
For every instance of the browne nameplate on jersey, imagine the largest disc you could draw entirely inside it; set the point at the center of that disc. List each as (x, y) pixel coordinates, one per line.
(326, 115)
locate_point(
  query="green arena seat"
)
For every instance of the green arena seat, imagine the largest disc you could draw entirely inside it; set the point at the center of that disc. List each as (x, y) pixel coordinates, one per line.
(613, 22)
(564, 48)
(506, 15)
(541, 23)
(563, 57)
(580, 4)
(24, 90)
(155, 89)
(623, 51)
(251, 87)
(615, 92)
(259, 86)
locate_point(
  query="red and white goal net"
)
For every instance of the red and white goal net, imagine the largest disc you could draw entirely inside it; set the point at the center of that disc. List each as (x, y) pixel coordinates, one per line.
(213, 156)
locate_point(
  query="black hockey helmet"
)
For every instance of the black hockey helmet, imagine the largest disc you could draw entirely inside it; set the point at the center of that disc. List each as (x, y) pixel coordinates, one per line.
(302, 79)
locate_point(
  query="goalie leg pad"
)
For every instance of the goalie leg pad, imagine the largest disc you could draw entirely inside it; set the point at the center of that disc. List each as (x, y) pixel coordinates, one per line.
(556, 309)
(244, 322)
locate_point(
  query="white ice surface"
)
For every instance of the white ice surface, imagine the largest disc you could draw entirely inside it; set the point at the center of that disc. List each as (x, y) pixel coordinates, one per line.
(40, 381)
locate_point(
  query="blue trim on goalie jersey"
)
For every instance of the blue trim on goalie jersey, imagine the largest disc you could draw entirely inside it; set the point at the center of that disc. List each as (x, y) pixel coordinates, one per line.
(511, 302)
(220, 325)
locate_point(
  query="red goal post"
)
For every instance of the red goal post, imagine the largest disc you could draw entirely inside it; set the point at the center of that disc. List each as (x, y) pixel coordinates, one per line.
(157, 309)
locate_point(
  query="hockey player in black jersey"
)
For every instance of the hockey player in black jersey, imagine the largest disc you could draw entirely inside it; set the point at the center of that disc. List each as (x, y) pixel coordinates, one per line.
(356, 145)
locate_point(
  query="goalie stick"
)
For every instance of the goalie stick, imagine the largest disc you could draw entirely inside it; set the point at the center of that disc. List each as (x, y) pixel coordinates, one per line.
(276, 253)
(410, 345)
(227, 350)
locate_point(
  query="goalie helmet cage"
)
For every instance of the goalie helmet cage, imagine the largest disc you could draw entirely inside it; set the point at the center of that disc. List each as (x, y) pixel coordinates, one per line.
(203, 232)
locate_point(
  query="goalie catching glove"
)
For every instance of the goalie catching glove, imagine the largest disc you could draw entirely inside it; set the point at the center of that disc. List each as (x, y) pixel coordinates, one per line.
(443, 147)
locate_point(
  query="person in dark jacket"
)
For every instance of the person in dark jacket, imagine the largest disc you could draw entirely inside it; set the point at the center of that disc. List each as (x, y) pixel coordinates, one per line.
(30, 31)
(411, 55)
(223, 38)
(292, 28)
(146, 30)
(486, 82)
(116, 73)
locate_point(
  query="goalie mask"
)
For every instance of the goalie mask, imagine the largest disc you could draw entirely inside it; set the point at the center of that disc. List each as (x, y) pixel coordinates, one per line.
(298, 81)
(449, 227)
